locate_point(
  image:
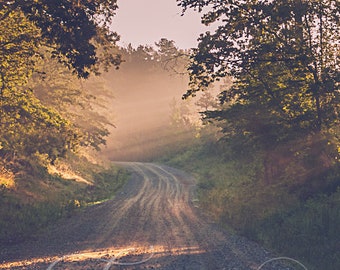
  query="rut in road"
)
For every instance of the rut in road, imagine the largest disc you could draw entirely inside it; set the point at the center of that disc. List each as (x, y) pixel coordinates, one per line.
(151, 224)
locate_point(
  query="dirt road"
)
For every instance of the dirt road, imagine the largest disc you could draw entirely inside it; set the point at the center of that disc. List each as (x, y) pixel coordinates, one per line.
(151, 224)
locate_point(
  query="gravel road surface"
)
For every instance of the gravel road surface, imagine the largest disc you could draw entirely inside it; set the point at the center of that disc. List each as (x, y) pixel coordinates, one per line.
(152, 223)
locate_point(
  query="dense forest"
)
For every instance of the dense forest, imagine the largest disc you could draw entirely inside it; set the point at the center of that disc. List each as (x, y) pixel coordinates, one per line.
(252, 113)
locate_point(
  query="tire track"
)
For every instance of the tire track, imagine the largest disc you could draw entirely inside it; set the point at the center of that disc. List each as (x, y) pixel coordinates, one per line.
(150, 224)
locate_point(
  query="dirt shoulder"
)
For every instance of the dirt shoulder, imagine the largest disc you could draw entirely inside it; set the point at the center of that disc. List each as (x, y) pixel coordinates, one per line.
(151, 224)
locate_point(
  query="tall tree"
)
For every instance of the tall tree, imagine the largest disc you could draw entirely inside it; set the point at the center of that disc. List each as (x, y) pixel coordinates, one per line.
(171, 57)
(284, 56)
(77, 34)
(73, 29)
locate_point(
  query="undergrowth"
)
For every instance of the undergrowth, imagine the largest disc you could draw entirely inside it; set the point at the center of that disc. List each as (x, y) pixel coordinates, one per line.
(295, 212)
(39, 198)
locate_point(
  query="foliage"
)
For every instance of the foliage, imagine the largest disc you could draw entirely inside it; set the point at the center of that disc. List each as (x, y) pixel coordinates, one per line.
(171, 58)
(306, 230)
(277, 176)
(295, 212)
(282, 54)
(84, 103)
(28, 127)
(73, 29)
(164, 56)
(18, 49)
(38, 95)
(6, 179)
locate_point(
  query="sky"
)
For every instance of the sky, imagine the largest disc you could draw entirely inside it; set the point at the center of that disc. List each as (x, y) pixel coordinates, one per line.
(144, 22)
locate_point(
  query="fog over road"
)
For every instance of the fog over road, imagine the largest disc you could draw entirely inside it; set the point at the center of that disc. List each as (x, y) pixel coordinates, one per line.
(152, 223)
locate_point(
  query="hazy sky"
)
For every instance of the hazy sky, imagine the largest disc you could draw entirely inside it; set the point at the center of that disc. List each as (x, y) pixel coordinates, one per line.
(147, 21)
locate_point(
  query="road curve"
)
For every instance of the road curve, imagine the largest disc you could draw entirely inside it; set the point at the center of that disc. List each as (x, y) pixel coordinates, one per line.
(151, 224)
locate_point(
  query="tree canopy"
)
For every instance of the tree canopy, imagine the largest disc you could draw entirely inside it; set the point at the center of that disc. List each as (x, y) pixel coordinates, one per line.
(283, 55)
(73, 29)
(37, 92)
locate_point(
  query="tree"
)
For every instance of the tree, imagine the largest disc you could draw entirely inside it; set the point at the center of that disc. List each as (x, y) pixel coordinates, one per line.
(73, 29)
(171, 57)
(24, 120)
(82, 102)
(18, 48)
(27, 127)
(206, 101)
(284, 56)
(71, 33)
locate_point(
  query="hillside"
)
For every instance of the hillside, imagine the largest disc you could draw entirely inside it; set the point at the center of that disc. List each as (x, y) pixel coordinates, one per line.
(41, 194)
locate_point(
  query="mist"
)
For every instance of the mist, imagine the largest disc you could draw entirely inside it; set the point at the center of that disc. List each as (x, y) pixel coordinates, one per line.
(143, 90)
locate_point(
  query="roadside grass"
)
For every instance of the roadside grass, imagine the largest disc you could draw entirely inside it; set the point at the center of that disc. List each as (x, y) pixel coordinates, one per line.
(37, 198)
(6, 178)
(296, 215)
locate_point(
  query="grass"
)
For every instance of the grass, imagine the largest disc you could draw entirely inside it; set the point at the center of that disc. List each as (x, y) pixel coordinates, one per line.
(35, 198)
(297, 214)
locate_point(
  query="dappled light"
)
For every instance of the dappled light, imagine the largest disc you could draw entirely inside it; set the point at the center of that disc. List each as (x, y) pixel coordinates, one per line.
(101, 258)
(6, 178)
(67, 173)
